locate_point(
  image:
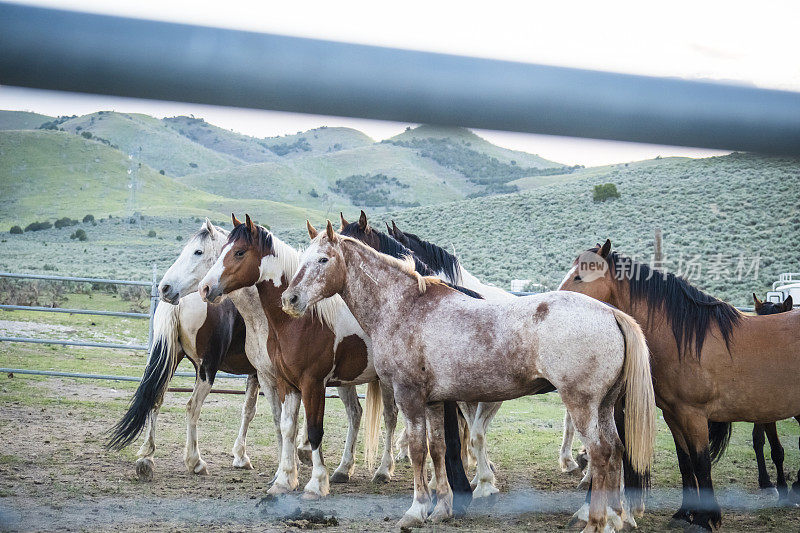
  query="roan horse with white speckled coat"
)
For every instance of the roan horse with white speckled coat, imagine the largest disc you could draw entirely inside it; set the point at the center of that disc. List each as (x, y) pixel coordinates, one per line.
(432, 344)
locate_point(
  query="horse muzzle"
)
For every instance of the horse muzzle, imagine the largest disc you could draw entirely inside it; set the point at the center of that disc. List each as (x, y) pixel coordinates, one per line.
(210, 294)
(292, 304)
(168, 294)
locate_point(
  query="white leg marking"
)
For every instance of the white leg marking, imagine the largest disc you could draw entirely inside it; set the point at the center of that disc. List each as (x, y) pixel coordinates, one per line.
(240, 458)
(286, 476)
(352, 406)
(191, 455)
(565, 460)
(318, 486)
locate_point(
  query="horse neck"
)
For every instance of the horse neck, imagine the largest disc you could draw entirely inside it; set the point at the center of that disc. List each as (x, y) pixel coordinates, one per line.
(270, 297)
(248, 304)
(288, 258)
(370, 284)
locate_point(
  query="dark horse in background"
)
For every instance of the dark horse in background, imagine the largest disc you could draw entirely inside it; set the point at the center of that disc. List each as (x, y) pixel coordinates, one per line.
(710, 363)
(771, 431)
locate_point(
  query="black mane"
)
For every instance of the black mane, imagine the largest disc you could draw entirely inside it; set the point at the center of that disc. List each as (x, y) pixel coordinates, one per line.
(243, 232)
(390, 246)
(439, 259)
(690, 311)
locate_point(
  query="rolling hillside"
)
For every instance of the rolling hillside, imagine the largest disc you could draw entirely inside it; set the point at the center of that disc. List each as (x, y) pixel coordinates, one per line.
(51, 174)
(712, 211)
(297, 180)
(243, 147)
(317, 141)
(162, 148)
(22, 120)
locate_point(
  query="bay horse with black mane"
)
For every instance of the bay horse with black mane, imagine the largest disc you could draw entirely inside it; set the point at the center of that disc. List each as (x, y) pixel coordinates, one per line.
(327, 347)
(432, 344)
(432, 260)
(770, 430)
(710, 363)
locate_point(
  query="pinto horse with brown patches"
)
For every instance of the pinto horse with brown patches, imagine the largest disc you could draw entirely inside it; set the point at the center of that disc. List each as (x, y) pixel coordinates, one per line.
(433, 344)
(212, 337)
(327, 349)
(710, 363)
(770, 430)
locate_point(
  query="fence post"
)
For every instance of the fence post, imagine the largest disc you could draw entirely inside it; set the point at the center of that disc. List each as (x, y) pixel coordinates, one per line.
(153, 305)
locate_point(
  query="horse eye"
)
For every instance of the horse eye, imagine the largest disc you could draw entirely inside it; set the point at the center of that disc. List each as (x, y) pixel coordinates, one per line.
(577, 278)
(323, 259)
(239, 253)
(198, 252)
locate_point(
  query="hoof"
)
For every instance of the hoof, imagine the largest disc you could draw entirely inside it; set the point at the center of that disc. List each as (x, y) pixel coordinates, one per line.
(243, 463)
(401, 456)
(694, 528)
(439, 516)
(201, 469)
(408, 521)
(340, 477)
(311, 496)
(484, 490)
(381, 478)
(305, 456)
(576, 523)
(276, 489)
(786, 502)
(144, 469)
(569, 466)
(770, 492)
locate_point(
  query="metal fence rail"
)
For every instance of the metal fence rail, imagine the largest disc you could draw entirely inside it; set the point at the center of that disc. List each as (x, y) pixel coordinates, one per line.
(70, 51)
(153, 303)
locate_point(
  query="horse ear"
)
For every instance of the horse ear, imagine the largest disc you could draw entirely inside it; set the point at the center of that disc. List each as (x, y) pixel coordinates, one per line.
(344, 222)
(209, 226)
(362, 221)
(788, 303)
(311, 231)
(758, 303)
(606, 249)
(236, 221)
(395, 229)
(331, 234)
(388, 229)
(249, 223)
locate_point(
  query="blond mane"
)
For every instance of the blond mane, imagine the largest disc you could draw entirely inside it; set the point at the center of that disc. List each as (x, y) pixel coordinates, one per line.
(404, 265)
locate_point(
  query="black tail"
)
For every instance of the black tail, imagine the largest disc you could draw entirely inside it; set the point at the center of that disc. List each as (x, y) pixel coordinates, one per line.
(456, 477)
(636, 484)
(719, 435)
(154, 383)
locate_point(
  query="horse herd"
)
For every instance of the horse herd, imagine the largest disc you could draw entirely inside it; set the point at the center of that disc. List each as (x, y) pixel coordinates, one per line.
(402, 315)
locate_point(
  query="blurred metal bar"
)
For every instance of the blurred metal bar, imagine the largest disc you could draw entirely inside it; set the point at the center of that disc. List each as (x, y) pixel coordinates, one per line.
(72, 311)
(65, 278)
(70, 51)
(75, 343)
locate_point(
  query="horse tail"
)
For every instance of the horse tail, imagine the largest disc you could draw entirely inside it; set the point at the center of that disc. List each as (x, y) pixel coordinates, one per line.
(157, 374)
(640, 405)
(719, 435)
(453, 459)
(372, 429)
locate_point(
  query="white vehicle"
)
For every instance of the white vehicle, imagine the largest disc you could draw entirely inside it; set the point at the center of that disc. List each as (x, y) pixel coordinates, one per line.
(788, 284)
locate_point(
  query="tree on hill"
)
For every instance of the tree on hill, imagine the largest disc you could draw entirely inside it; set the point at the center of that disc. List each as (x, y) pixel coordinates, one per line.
(605, 192)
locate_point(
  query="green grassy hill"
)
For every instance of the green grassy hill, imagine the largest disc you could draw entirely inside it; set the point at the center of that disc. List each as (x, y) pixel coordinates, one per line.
(317, 141)
(162, 147)
(737, 206)
(297, 180)
(21, 120)
(51, 174)
(228, 142)
(477, 143)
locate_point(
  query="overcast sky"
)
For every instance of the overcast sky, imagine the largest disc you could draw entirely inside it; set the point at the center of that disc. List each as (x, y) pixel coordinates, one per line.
(736, 42)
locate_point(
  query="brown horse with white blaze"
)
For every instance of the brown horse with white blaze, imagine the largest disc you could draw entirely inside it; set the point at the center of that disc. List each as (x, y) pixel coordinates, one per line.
(308, 354)
(710, 363)
(432, 344)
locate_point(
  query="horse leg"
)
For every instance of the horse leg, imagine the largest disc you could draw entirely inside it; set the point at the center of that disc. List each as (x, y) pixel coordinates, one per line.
(286, 475)
(240, 458)
(302, 444)
(402, 446)
(565, 459)
(469, 411)
(385, 470)
(434, 414)
(484, 475)
(764, 482)
(414, 412)
(191, 454)
(314, 400)
(683, 516)
(352, 407)
(144, 462)
(777, 454)
(709, 513)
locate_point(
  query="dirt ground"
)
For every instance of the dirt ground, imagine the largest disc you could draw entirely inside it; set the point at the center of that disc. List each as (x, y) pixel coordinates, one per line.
(55, 474)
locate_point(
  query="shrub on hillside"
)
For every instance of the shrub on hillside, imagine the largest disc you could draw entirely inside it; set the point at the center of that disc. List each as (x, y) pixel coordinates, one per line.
(372, 190)
(16, 230)
(151, 233)
(38, 226)
(88, 218)
(64, 222)
(86, 134)
(79, 234)
(605, 192)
